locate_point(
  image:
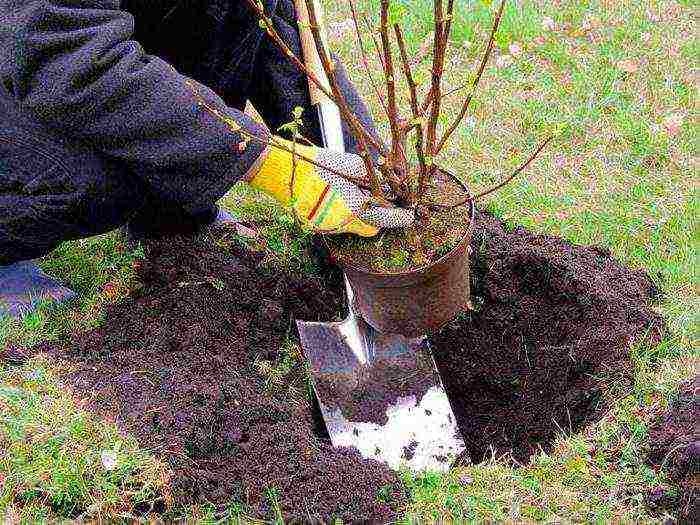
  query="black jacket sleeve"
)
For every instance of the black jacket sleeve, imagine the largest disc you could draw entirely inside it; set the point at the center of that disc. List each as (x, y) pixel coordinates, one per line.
(73, 65)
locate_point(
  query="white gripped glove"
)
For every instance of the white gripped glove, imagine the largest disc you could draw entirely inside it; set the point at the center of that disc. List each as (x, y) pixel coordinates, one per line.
(322, 199)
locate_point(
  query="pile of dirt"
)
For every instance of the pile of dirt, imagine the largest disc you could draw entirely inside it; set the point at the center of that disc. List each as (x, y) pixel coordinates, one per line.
(178, 364)
(551, 318)
(675, 446)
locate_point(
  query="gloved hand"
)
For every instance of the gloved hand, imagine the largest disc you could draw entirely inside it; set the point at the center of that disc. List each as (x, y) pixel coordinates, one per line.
(323, 200)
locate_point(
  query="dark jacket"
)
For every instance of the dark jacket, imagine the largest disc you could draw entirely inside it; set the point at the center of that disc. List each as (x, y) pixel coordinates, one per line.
(98, 125)
(75, 66)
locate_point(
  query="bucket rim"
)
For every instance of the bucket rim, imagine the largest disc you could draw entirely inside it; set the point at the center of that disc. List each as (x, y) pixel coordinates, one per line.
(425, 268)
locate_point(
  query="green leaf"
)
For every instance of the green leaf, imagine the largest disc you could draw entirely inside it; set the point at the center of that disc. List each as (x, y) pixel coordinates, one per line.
(289, 126)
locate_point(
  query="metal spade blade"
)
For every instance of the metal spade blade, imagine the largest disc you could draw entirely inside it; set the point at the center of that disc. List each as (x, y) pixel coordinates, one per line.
(381, 394)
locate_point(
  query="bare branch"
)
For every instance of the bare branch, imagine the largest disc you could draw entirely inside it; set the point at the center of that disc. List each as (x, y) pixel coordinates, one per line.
(437, 72)
(370, 30)
(365, 60)
(355, 126)
(413, 90)
(448, 20)
(348, 115)
(398, 157)
(504, 181)
(237, 128)
(467, 102)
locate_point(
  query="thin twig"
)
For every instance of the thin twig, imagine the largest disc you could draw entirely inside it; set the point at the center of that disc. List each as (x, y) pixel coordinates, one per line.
(503, 182)
(365, 60)
(237, 128)
(397, 184)
(284, 48)
(398, 157)
(355, 126)
(437, 72)
(413, 91)
(484, 60)
(293, 178)
(448, 19)
(445, 39)
(370, 30)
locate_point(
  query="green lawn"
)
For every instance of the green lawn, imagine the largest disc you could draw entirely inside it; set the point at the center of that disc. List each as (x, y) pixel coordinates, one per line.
(614, 81)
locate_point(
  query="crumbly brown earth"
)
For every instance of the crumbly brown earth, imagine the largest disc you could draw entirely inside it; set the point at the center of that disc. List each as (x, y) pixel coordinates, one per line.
(675, 446)
(402, 250)
(551, 318)
(179, 365)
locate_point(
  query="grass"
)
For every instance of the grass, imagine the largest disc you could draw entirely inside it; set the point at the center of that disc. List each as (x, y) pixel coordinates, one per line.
(608, 78)
(58, 460)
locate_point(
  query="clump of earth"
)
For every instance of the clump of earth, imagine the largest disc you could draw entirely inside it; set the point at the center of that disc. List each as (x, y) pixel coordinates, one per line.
(185, 365)
(674, 443)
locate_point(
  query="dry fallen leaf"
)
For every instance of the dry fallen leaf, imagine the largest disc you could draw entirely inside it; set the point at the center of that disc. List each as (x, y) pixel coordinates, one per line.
(566, 79)
(673, 123)
(109, 459)
(465, 480)
(652, 16)
(504, 61)
(548, 23)
(339, 30)
(628, 65)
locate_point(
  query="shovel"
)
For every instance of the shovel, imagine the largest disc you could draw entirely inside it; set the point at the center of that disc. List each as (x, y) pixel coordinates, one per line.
(380, 394)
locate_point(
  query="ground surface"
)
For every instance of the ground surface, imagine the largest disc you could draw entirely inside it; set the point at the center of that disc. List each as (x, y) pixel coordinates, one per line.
(675, 445)
(552, 329)
(615, 80)
(201, 365)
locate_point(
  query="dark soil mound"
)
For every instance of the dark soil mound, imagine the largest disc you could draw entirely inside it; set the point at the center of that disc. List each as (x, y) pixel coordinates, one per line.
(675, 447)
(550, 318)
(179, 365)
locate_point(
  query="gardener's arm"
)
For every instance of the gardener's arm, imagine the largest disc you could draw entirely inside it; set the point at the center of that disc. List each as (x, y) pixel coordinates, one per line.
(73, 65)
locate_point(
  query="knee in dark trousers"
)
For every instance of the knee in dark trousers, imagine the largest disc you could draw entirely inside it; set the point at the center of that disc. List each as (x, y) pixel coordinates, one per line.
(53, 190)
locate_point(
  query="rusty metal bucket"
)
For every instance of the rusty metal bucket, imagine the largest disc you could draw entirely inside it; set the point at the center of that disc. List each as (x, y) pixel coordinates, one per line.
(420, 301)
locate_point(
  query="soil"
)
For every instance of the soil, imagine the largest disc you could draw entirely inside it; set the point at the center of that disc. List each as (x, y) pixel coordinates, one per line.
(403, 250)
(551, 318)
(366, 392)
(675, 447)
(177, 365)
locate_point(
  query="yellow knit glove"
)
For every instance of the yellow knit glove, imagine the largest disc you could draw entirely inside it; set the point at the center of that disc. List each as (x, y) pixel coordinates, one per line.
(323, 200)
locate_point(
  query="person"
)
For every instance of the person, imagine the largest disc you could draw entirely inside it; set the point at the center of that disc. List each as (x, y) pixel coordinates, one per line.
(102, 125)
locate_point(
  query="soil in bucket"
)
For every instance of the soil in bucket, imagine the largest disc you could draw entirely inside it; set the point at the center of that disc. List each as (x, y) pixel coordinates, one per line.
(675, 446)
(185, 365)
(403, 250)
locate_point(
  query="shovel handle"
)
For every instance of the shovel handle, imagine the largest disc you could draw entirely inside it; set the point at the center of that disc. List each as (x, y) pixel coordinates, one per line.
(308, 46)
